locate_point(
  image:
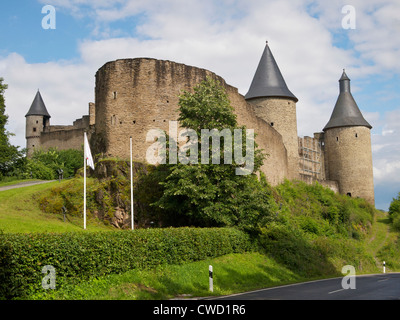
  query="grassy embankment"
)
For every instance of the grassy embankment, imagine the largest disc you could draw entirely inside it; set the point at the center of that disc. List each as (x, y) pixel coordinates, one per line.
(19, 212)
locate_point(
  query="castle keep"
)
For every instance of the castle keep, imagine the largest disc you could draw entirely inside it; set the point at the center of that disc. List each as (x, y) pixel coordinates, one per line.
(133, 96)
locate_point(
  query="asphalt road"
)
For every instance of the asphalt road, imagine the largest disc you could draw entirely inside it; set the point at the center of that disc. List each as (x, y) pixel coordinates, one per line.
(367, 287)
(24, 184)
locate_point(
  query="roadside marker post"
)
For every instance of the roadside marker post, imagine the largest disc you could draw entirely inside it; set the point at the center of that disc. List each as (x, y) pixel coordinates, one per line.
(384, 267)
(210, 274)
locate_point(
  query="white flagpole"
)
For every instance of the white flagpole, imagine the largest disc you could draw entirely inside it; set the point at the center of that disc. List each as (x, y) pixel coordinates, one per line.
(132, 220)
(84, 182)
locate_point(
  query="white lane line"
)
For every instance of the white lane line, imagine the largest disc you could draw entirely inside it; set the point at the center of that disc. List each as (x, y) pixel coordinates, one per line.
(336, 291)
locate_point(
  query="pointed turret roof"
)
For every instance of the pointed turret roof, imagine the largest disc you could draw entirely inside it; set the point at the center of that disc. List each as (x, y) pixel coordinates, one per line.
(268, 80)
(346, 112)
(38, 107)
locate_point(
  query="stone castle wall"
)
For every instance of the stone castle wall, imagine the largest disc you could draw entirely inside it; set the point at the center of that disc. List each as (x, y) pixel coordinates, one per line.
(134, 96)
(65, 137)
(280, 113)
(354, 170)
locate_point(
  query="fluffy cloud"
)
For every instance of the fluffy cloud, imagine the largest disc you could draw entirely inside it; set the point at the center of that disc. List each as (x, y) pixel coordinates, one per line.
(226, 37)
(66, 89)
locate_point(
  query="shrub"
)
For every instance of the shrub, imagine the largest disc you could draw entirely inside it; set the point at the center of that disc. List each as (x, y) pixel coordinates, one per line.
(394, 212)
(80, 256)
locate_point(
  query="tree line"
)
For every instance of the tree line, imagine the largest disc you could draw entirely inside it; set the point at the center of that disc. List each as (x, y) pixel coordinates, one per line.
(44, 165)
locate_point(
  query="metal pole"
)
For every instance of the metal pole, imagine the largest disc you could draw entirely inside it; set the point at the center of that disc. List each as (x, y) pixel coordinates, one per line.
(132, 209)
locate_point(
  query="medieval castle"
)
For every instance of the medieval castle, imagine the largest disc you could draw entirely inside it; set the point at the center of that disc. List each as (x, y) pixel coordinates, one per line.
(133, 96)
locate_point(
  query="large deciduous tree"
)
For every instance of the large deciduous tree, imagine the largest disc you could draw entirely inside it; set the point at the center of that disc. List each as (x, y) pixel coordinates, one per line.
(214, 194)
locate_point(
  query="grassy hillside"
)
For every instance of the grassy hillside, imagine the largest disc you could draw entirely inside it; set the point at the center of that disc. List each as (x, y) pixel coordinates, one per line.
(20, 212)
(313, 234)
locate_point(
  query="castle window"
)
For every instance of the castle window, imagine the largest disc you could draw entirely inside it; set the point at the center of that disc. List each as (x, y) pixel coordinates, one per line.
(356, 135)
(337, 138)
(272, 124)
(134, 121)
(37, 121)
(34, 129)
(113, 119)
(115, 94)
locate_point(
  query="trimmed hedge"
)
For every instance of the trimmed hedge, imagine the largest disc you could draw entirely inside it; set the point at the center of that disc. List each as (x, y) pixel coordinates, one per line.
(79, 256)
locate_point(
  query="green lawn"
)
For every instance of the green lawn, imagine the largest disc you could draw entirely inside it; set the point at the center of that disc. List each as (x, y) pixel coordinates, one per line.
(19, 212)
(232, 273)
(380, 235)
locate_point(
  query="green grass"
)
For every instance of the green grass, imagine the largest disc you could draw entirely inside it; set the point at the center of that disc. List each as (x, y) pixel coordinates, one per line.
(232, 273)
(20, 212)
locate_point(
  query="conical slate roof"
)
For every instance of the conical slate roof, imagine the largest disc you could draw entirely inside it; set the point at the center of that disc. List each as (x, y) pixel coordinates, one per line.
(346, 112)
(38, 107)
(268, 80)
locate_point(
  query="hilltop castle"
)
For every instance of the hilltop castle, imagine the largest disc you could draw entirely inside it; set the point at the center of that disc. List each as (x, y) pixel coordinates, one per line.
(133, 96)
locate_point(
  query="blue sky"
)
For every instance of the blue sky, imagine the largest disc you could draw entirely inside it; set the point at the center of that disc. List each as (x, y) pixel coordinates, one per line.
(227, 37)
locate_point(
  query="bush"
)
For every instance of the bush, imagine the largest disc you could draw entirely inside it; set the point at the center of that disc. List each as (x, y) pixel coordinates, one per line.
(45, 164)
(80, 256)
(394, 212)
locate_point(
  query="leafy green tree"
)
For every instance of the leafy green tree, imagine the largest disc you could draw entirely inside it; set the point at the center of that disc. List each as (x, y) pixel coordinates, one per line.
(45, 164)
(394, 212)
(10, 156)
(213, 194)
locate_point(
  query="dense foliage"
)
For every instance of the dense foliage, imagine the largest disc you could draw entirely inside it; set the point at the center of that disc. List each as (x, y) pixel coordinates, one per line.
(391, 251)
(11, 157)
(316, 230)
(394, 212)
(81, 256)
(202, 192)
(46, 164)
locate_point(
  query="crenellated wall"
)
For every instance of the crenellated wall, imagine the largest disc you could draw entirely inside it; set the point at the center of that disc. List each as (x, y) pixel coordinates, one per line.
(134, 96)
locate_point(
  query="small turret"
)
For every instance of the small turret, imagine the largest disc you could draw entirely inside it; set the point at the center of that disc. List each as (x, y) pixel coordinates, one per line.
(276, 104)
(37, 119)
(348, 146)
(268, 80)
(346, 112)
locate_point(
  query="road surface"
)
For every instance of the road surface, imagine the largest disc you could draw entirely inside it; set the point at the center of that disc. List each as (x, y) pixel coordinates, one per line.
(367, 287)
(24, 184)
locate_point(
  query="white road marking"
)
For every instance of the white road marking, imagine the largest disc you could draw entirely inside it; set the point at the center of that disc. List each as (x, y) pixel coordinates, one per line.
(336, 291)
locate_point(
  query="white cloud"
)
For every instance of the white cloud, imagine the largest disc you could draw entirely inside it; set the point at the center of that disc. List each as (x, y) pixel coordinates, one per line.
(226, 37)
(386, 149)
(65, 88)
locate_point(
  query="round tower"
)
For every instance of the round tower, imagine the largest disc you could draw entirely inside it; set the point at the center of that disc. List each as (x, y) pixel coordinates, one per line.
(37, 119)
(348, 146)
(276, 104)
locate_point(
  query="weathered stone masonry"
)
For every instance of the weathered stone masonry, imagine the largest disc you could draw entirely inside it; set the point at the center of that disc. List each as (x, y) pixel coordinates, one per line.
(133, 96)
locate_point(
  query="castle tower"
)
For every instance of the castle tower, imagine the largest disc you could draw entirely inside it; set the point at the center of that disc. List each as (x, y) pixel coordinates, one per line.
(274, 103)
(348, 146)
(37, 119)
